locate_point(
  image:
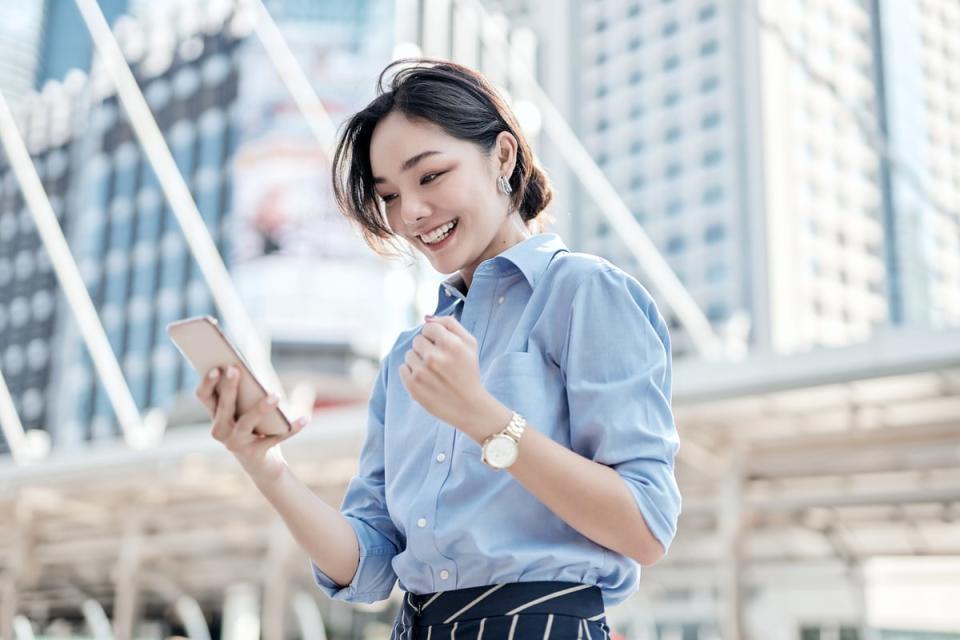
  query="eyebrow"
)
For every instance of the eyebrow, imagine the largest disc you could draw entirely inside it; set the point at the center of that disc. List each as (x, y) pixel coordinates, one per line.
(409, 164)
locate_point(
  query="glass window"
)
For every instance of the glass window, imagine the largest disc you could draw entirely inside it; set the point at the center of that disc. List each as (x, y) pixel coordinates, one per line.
(716, 273)
(712, 157)
(713, 194)
(707, 12)
(709, 84)
(600, 26)
(676, 244)
(709, 48)
(671, 99)
(717, 312)
(673, 171)
(671, 63)
(714, 233)
(637, 147)
(670, 28)
(711, 120)
(637, 182)
(672, 134)
(636, 111)
(635, 43)
(636, 77)
(674, 207)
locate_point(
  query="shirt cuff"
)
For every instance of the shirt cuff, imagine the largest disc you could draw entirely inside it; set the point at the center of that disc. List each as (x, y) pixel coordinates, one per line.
(374, 579)
(661, 526)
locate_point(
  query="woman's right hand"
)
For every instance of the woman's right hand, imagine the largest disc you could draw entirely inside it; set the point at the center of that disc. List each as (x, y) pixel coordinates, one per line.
(259, 455)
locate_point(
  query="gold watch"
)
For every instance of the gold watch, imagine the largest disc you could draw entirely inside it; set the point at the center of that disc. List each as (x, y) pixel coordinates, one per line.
(500, 450)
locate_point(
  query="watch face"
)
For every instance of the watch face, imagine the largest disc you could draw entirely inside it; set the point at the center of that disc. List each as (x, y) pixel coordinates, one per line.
(501, 452)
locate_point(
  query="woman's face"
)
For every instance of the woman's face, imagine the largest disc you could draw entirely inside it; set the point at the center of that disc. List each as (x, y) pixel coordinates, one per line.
(429, 179)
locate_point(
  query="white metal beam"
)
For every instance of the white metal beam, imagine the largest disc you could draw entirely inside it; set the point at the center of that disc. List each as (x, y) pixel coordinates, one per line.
(293, 76)
(178, 196)
(135, 432)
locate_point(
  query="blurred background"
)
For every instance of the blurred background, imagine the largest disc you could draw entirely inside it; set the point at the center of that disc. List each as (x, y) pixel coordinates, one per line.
(783, 175)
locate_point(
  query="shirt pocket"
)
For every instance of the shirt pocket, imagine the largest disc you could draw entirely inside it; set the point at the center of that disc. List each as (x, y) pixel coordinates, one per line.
(531, 386)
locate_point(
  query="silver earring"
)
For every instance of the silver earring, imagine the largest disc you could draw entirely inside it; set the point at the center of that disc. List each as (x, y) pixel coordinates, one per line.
(504, 185)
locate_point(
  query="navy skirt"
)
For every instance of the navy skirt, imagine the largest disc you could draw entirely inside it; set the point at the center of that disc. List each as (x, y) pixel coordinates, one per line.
(510, 611)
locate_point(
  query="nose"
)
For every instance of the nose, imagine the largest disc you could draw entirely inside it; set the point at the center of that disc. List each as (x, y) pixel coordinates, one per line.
(413, 209)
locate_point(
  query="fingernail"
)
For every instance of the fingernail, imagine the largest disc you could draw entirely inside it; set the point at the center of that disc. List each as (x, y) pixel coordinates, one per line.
(301, 421)
(231, 373)
(214, 373)
(272, 398)
(429, 317)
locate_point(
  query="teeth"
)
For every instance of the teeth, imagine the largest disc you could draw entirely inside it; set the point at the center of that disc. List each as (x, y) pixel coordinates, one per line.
(438, 234)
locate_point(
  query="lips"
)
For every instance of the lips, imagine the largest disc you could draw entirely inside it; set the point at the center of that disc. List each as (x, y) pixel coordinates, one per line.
(432, 231)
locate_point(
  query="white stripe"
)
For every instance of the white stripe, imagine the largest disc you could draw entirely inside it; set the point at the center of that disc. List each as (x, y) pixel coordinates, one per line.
(482, 622)
(546, 632)
(580, 630)
(596, 617)
(453, 632)
(427, 604)
(429, 631)
(586, 627)
(513, 627)
(579, 587)
(475, 601)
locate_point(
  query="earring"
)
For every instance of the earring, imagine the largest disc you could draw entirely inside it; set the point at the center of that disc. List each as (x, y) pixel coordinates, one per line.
(504, 185)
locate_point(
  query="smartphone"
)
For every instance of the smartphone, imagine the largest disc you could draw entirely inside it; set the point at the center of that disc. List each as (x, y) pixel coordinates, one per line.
(205, 346)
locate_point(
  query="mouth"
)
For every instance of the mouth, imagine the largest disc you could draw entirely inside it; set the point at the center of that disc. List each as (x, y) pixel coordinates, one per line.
(436, 241)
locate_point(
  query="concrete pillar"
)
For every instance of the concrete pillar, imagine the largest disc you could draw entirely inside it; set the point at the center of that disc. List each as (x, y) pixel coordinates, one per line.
(276, 577)
(308, 617)
(731, 529)
(125, 575)
(241, 612)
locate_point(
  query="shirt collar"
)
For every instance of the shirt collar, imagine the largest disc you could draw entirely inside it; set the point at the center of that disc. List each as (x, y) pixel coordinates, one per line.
(531, 256)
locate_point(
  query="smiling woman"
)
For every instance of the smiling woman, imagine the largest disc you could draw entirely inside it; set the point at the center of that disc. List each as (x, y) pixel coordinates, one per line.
(425, 153)
(518, 465)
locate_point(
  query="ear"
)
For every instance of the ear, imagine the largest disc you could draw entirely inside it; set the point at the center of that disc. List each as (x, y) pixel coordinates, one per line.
(505, 153)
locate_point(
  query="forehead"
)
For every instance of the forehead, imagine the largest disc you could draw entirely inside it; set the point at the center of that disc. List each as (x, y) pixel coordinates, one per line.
(397, 138)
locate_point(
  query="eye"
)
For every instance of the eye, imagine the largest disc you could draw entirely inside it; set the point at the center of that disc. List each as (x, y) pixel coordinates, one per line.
(388, 198)
(430, 177)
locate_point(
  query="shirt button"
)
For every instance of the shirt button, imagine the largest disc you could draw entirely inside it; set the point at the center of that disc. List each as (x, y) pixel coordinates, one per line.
(444, 574)
(441, 457)
(500, 301)
(422, 522)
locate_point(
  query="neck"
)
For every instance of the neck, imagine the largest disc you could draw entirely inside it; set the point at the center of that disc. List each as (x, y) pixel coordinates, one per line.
(513, 232)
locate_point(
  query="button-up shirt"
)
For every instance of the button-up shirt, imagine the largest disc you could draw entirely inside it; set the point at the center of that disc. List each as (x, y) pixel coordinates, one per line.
(577, 347)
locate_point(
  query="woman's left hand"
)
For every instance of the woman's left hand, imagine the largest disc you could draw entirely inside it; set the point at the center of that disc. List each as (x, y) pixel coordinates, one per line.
(442, 371)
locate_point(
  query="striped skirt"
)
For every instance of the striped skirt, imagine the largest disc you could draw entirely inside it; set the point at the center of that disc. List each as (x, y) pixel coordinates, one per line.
(510, 611)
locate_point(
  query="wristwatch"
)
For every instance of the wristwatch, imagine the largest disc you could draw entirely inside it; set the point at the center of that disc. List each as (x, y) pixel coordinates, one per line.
(500, 450)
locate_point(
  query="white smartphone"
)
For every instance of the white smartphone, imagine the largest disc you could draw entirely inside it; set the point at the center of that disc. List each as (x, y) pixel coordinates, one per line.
(205, 346)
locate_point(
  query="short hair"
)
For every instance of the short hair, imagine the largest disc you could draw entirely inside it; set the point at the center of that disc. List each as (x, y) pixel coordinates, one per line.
(465, 105)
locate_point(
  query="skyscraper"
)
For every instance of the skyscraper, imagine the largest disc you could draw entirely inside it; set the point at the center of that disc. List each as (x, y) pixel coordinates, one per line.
(748, 138)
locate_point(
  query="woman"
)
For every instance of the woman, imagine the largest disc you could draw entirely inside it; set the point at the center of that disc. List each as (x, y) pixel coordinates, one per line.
(518, 464)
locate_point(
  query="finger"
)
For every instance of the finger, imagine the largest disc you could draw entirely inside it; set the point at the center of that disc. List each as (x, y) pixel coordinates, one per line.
(227, 407)
(436, 333)
(414, 363)
(206, 390)
(425, 349)
(267, 442)
(452, 325)
(251, 419)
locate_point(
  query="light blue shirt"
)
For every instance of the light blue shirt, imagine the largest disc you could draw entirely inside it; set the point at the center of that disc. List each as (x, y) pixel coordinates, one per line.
(578, 348)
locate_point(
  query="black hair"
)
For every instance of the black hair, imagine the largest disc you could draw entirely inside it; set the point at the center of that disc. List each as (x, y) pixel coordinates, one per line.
(460, 101)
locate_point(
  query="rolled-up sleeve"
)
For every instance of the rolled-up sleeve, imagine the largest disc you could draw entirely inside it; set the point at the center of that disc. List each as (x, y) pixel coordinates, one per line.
(617, 369)
(365, 507)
